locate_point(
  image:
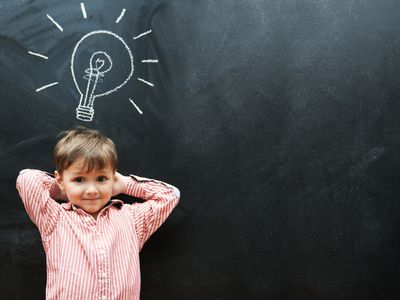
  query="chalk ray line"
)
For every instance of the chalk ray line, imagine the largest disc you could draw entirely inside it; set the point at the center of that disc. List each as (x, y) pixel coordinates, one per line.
(146, 82)
(137, 108)
(38, 55)
(55, 23)
(83, 10)
(46, 86)
(154, 61)
(142, 34)
(121, 15)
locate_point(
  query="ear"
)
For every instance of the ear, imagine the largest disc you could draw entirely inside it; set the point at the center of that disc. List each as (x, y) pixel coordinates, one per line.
(59, 180)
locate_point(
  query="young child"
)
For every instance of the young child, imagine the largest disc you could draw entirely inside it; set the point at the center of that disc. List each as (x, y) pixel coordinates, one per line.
(92, 243)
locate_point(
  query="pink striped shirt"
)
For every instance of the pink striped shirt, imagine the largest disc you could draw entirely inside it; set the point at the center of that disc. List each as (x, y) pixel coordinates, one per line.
(88, 258)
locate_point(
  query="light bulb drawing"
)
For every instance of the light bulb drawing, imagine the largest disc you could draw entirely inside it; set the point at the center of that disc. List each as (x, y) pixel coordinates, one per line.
(101, 63)
(94, 74)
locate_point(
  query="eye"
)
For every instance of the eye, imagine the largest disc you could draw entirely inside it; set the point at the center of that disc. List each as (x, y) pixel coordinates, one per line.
(102, 178)
(79, 179)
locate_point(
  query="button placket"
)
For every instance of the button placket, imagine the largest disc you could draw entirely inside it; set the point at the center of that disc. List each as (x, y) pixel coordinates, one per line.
(98, 226)
(102, 247)
(101, 271)
(101, 260)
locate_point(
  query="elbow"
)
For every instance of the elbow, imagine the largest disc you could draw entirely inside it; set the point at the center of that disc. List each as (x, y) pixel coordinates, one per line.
(177, 192)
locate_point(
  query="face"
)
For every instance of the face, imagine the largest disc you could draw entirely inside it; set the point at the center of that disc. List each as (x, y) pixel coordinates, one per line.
(89, 191)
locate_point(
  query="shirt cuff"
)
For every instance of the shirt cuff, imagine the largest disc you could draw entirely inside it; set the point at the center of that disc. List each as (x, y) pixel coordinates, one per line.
(144, 179)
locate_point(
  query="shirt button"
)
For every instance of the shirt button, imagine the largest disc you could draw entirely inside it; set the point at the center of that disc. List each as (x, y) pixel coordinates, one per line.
(102, 298)
(103, 275)
(102, 251)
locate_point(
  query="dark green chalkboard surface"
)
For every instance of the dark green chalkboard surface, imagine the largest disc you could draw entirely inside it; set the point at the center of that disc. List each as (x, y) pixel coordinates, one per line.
(279, 120)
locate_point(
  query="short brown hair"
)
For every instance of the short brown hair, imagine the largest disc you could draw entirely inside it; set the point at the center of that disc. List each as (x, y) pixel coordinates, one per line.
(96, 150)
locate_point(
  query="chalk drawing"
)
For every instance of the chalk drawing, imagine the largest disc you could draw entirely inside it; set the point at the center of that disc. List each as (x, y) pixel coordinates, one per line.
(137, 108)
(154, 61)
(146, 82)
(38, 55)
(142, 34)
(46, 86)
(83, 10)
(100, 63)
(95, 69)
(121, 15)
(55, 23)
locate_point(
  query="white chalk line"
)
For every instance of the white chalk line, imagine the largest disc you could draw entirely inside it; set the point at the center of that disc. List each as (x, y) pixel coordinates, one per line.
(46, 86)
(146, 82)
(142, 34)
(154, 61)
(38, 55)
(137, 108)
(55, 23)
(83, 10)
(121, 15)
(127, 49)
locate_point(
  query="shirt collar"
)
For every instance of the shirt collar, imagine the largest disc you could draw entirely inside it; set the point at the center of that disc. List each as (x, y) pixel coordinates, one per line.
(113, 202)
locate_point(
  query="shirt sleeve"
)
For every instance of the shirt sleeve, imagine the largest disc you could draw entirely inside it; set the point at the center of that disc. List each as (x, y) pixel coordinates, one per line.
(160, 199)
(37, 190)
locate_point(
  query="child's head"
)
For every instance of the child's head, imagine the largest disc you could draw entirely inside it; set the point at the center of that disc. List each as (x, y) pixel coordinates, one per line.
(88, 145)
(86, 163)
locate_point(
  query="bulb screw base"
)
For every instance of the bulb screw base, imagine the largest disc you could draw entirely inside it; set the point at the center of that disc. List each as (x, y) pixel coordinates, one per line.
(84, 113)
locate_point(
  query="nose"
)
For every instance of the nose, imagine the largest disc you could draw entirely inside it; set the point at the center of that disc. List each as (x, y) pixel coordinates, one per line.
(91, 189)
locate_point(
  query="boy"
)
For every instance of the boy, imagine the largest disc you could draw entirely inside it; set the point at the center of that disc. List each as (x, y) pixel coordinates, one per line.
(92, 243)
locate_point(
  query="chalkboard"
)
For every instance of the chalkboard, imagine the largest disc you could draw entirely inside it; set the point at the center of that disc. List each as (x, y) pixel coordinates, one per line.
(279, 121)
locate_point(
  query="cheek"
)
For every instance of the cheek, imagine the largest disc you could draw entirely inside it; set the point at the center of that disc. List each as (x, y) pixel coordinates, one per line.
(73, 191)
(107, 189)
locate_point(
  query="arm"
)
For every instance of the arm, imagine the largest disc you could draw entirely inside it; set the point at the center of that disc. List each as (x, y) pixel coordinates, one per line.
(160, 199)
(37, 190)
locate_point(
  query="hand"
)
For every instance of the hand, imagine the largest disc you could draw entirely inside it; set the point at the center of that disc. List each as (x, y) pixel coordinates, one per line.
(120, 184)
